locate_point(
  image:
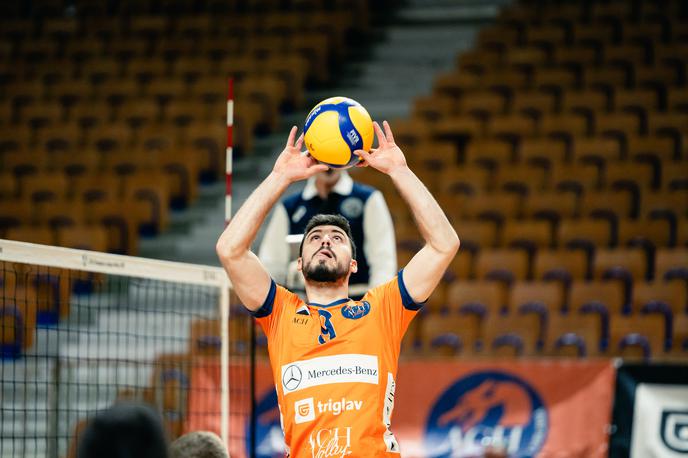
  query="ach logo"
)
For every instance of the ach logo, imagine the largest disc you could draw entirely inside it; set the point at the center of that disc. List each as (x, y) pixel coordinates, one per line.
(354, 312)
(483, 406)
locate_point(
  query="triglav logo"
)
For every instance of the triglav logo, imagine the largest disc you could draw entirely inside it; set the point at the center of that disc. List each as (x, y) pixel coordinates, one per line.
(291, 379)
(674, 430)
(485, 407)
(304, 411)
(330, 442)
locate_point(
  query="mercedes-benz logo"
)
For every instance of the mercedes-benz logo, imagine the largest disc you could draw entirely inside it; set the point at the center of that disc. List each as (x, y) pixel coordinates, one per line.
(291, 378)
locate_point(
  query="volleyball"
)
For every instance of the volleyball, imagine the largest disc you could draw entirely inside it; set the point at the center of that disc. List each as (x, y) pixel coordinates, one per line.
(335, 128)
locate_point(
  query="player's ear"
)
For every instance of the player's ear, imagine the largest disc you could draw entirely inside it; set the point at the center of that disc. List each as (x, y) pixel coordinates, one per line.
(299, 263)
(353, 266)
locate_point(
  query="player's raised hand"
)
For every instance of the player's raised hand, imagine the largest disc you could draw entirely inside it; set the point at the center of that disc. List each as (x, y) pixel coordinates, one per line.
(293, 164)
(387, 156)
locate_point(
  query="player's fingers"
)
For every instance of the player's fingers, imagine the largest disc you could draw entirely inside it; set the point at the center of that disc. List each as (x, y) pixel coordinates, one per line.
(299, 142)
(292, 135)
(381, 139)
(363, 158)
(318, 167)
(388, 132)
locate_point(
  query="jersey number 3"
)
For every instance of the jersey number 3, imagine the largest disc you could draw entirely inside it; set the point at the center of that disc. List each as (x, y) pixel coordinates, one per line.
(327, 332)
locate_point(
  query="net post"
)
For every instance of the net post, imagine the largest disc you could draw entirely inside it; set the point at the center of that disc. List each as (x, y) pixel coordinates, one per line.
(224, 363)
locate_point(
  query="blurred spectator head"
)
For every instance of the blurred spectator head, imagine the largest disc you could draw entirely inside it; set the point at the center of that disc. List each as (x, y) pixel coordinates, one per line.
(198, 444)
(125, 430)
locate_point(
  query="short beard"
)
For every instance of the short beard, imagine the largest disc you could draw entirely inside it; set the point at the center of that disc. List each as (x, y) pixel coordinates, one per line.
(323, 274)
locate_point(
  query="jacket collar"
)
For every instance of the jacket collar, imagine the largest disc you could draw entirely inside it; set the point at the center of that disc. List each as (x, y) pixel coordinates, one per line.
(343, 186)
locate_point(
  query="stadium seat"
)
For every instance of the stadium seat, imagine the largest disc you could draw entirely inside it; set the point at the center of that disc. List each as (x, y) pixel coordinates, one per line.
(575, 336)
(597, 150)
(502, 265)
(597, 299)
(637, 338)
(205, 338)
(621, 265)
(83, 238)
(667, 299)
(171, 380)
(523, 179)
(587, 235)
(575, 178)
(563, 266)
(17, 316)
(450, 335)
(489, 153)
(477, 235)
(538, 300)
(565, 126)
(482, 104)
(151, 191)
(475, 300)
(496, 207)
(633, 176)
(617, 124)
(434, 106)
(671, 264)
(542, 151)
(464, 180)
(551, 206)
(462, 266)
(535, 103)
(611, 205)
(680, 334)
(655, 148)
(528, 235)
(649, 234)
(511, 127)
(510, 336)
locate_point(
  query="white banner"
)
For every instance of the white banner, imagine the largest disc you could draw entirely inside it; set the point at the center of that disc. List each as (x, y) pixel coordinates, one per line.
(324, 370)
(660, 421)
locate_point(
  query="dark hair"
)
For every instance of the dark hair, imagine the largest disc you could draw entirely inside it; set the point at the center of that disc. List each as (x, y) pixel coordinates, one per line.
(329, 220)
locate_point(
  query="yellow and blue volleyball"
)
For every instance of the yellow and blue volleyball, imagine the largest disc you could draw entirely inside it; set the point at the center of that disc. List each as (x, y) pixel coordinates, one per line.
(335, 128)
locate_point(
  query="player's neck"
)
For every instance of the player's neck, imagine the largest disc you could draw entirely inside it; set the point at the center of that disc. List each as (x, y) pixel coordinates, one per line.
(326, 293)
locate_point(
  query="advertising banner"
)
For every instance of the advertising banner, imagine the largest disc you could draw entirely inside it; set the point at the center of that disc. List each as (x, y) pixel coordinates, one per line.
(650, 416)
(452, 409)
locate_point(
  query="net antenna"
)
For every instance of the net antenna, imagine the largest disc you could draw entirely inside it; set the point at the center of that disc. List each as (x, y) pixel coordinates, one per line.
(224, 312)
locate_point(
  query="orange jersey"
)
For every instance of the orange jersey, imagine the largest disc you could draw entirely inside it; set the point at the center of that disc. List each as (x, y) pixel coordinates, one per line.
(335, 367)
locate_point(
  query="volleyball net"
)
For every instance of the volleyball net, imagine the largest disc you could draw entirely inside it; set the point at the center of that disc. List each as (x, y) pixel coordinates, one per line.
(80, 330)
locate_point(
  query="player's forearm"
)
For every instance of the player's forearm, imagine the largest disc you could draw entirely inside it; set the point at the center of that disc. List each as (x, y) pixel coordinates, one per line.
(432, 223)
(237, 238)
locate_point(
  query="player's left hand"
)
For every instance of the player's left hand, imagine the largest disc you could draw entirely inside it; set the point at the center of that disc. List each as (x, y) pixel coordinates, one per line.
(387, 156)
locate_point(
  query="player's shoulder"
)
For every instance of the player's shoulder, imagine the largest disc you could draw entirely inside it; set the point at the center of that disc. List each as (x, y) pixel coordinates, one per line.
(382, 290)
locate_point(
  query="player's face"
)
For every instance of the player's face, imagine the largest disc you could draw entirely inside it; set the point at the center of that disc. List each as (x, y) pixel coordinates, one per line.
(326, 255)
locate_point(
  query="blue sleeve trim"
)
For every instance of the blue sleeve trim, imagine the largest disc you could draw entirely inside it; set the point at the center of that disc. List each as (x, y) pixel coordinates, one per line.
(406, 299)
(266, 308)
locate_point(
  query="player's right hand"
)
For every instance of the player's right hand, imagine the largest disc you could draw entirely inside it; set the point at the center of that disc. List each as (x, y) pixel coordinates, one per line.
(294, 165)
